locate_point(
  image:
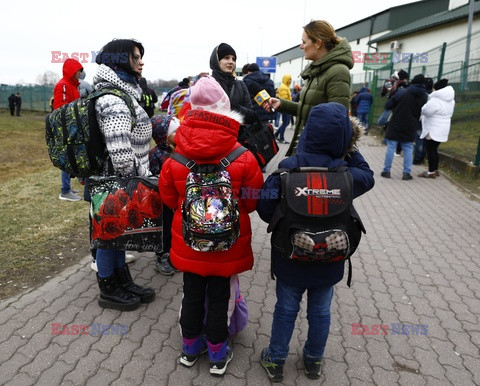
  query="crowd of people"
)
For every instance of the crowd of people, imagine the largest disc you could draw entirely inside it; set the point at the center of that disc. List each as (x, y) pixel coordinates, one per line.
(202, 125)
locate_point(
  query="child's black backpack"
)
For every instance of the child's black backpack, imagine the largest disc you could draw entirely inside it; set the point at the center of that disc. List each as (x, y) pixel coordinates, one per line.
(315, 221)
(74, 141)
(210, 213)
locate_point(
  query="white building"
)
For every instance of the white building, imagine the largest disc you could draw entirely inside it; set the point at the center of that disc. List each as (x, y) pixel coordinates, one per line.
(416, 28)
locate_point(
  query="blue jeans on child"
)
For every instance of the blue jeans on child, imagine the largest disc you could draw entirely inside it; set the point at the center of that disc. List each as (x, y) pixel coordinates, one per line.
(407, 148)
(285, 314)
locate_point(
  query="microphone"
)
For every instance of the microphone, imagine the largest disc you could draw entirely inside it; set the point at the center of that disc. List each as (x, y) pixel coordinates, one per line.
(261, 95)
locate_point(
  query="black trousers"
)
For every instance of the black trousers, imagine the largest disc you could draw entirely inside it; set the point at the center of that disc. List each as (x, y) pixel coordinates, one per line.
(196, 289)
(432, 154)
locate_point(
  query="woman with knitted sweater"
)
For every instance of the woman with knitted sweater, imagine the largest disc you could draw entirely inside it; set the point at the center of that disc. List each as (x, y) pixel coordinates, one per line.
(127, 139)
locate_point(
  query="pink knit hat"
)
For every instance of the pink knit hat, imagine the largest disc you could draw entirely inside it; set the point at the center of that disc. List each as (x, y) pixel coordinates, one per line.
(207, 94)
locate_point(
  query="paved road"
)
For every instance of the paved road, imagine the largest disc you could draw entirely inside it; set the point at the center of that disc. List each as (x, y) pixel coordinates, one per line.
(416, 273)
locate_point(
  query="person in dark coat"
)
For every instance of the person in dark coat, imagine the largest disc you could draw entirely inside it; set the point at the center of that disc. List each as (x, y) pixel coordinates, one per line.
(328, 140)
(222, 63)
(11, 104)
(363, 101)
(406, 105)
(18, 104)
(258, 80)
(149, 97)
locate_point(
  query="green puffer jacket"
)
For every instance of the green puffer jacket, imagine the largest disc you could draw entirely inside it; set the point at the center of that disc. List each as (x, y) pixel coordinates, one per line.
(326, 80)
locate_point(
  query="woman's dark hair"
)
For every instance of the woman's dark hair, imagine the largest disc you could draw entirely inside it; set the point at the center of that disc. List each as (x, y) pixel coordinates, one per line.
(117, 54)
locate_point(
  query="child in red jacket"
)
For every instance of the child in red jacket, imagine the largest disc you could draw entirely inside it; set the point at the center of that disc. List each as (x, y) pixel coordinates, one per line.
(207, 134)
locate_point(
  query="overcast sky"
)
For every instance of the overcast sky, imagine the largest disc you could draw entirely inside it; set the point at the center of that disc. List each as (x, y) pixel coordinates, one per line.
(178, 36)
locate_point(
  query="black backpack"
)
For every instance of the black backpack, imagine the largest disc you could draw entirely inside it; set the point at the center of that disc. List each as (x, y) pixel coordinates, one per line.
(315, 221)
(74, 141)
(210, 213)
(258, 138)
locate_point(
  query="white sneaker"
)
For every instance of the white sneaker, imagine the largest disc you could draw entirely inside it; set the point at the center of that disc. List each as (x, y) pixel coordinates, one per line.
(129, 258)
(93, 265)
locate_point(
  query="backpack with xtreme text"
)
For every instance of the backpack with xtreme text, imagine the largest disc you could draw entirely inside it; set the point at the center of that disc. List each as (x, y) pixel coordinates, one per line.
(315, 221)
(210, 214)
(74, 141)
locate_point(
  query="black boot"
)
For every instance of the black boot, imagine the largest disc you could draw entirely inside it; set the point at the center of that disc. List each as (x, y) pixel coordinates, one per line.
(125, 281)
(113, 296)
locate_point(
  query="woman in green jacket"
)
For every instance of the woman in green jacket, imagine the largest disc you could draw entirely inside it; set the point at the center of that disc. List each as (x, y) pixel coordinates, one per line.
(327, 78)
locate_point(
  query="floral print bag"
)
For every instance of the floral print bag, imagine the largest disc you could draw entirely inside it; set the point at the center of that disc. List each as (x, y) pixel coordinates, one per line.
(126, 213)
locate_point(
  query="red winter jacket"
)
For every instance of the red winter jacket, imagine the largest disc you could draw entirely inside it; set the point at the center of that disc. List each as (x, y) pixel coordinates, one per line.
(207, 137)
(66, 89)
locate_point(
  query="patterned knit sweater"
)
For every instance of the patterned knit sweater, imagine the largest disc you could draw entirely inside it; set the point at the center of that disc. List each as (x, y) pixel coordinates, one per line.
(127, 147)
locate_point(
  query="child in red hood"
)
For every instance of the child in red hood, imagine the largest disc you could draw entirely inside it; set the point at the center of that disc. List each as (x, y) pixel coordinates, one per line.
(207, 134)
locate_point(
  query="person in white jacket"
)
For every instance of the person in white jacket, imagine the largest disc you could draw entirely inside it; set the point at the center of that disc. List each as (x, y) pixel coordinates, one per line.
(436, 120)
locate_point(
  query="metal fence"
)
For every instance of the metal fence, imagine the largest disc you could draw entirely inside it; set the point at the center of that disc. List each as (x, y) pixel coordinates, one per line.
(37, 98)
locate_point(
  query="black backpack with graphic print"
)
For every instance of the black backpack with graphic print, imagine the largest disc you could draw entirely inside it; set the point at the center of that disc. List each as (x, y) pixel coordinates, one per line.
(315, 221)
(74, 141)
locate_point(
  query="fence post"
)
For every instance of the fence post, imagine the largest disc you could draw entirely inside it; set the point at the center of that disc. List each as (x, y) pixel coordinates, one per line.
(442, 58)
(477, 158)
(410, 66)
(373, 90)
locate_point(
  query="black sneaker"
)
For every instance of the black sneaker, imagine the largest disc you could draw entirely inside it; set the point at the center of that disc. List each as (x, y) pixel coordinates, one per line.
(312, 368)
(188, 360)
(219, 368)
(407, 177)
(274, 370)
(385, 174)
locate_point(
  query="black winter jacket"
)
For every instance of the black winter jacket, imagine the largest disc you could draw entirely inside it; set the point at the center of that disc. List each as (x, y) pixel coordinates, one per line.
(407, 107)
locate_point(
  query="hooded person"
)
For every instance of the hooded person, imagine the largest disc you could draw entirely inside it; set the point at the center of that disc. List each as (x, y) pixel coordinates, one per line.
(208, 134)
(328, 140)
(257, 80)
(436, 120)
(66, 89)
(223, 63)
(64, 92)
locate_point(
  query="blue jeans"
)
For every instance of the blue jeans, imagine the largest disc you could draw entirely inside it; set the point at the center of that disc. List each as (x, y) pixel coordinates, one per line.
(407, 148)
(108, 260)
(363, 117)
(281, 130)
(65, 182)
(277, 119)
(383, 119)
(286, 310)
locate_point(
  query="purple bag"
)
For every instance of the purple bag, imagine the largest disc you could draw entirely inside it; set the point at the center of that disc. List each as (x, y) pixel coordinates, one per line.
(237, 308)
(238, 317)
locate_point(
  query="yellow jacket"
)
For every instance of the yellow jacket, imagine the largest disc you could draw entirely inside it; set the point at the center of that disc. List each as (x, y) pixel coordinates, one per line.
(284, 89)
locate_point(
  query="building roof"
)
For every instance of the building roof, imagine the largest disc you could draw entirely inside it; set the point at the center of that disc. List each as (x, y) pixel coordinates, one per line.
(387, 20)
(429, 22)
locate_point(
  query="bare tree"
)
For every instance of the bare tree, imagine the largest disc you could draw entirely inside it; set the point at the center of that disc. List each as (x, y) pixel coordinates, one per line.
(48, 78)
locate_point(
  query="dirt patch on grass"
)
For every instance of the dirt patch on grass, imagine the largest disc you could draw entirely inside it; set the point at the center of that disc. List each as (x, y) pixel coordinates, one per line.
(30, 272)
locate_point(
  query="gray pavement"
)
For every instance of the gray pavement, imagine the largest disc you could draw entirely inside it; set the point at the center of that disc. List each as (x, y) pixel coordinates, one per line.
(417, 268)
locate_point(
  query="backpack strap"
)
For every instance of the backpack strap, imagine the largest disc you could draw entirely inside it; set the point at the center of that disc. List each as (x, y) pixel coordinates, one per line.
(189, 163)
(226, 161)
